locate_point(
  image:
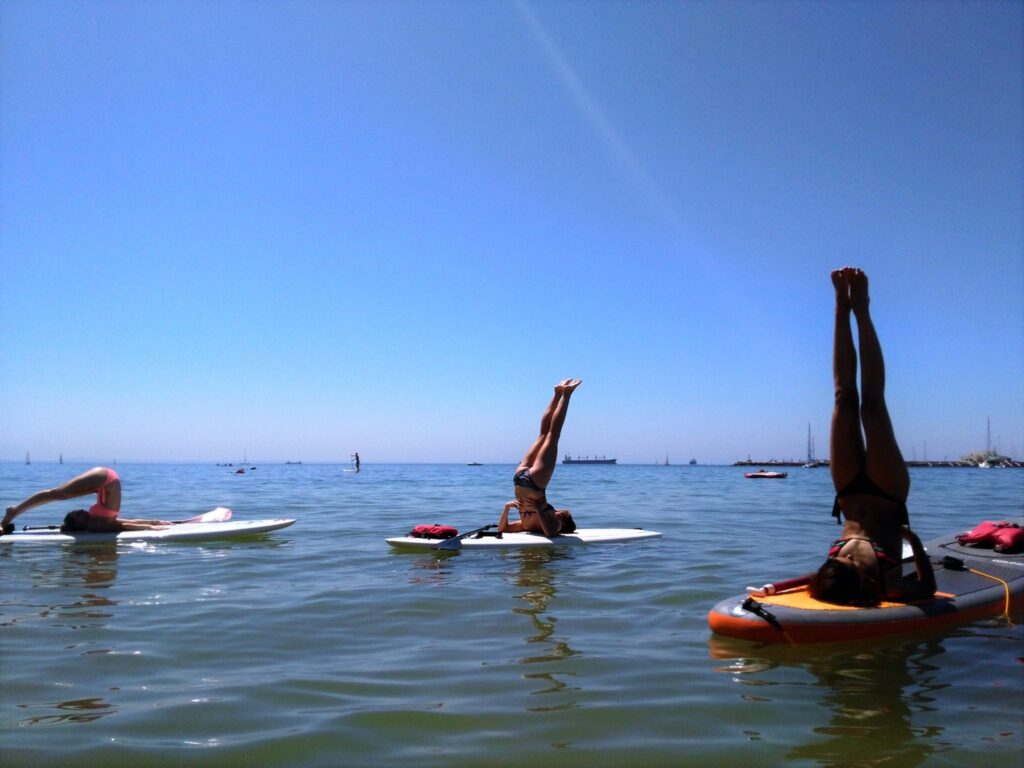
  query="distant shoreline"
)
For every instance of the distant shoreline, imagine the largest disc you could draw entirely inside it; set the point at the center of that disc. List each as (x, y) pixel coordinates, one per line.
(822, 463)
(1008, 463)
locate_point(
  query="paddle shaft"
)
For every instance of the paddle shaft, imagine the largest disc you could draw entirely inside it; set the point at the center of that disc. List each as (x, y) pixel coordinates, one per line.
(455, 542)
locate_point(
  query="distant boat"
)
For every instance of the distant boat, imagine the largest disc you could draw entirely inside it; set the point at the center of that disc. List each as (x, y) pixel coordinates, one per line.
(27, 459)
(693, 461)
(764, 474)
(293, 462)
(666, 460)
(61, 460)
(811, 461)
(587, 460)
(474, 464)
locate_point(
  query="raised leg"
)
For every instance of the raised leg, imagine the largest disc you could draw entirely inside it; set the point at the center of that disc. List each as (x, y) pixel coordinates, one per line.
(546, 459)
(846, 449)
(83, 485)
(545, 427)
(883, 460)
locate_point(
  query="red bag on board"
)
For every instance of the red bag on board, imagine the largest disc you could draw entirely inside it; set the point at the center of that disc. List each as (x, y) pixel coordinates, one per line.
(1009, 539)
(982, 535)
(433, 532)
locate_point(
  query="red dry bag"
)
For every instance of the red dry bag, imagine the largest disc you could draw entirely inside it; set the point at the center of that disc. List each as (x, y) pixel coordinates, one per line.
(433, 532)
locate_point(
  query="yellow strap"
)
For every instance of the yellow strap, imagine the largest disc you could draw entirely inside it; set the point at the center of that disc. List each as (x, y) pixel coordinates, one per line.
(1006, 591)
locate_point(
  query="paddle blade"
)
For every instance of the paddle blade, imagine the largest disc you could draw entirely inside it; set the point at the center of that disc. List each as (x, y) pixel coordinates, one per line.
(218, 515)
(456, 542)
(449, 544)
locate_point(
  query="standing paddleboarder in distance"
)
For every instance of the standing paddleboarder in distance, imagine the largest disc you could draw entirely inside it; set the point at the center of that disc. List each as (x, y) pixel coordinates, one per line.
(533, 474)
(101, 517)
(868, 471)
(355, 460)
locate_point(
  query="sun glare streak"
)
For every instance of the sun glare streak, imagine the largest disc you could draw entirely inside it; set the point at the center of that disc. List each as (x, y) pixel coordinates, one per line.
(714, 272)
(600, 122)
(716, 275)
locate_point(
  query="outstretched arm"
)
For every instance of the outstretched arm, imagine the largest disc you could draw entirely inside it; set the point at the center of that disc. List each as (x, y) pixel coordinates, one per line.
(143, 525)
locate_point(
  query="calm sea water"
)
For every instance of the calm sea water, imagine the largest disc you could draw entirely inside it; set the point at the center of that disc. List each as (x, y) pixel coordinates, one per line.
(318, 646)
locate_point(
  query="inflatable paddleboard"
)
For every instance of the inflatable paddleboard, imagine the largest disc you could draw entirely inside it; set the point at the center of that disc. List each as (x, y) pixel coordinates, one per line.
(515, 540)
(989, 583)
(179, 532)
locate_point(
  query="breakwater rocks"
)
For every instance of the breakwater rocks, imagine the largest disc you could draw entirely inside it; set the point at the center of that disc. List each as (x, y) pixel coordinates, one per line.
(781, 463)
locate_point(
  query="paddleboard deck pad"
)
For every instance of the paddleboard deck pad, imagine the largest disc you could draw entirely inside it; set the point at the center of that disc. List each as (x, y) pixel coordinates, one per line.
(178, 532)
(989, 583)
(517, 540)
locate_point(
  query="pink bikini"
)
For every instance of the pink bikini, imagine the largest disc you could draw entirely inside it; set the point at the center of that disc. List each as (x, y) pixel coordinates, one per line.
(99, 509)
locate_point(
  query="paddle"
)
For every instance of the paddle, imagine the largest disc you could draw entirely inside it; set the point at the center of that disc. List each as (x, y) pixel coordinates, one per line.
(455, 542)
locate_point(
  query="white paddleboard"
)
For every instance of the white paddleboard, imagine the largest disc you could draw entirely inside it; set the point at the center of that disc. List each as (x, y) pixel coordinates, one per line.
(513, 540)
(179, 532)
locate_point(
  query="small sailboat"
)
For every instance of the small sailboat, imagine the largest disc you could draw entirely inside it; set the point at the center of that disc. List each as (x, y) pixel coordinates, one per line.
(27, 459)
(812, 462)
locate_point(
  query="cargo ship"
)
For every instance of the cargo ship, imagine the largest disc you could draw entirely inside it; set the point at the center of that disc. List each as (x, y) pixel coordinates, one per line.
(587, 460)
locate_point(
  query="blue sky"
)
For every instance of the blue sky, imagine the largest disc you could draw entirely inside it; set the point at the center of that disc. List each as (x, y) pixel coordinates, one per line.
(307, 228)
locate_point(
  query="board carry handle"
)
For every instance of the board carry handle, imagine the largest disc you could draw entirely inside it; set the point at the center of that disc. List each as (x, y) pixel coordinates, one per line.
(754, 607)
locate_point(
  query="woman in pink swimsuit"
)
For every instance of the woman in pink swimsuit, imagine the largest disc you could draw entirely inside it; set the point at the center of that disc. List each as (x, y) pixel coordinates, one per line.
(100, 517)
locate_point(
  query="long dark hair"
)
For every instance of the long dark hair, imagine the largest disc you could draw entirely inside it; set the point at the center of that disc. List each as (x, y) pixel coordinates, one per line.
(75, 521)
(566, 523)
(840, 583)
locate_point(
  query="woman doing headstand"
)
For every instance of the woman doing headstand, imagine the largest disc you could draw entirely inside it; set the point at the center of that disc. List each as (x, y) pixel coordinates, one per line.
(870, 476)
(533, 474)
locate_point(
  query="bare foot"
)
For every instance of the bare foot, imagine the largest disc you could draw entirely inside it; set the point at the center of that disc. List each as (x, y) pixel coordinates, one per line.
(571, 385)
(858, 281)
(842, 287)
(560, 386)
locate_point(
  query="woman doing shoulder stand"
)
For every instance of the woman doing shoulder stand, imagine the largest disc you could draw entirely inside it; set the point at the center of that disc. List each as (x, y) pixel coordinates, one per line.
(870, 476)
(533, 474)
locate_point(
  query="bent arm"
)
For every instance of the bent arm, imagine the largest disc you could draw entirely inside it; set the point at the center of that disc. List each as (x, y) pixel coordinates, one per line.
(923, 586)
(504, 526)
